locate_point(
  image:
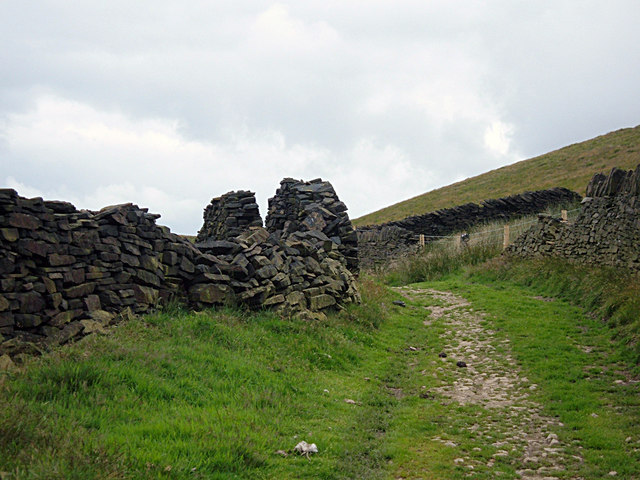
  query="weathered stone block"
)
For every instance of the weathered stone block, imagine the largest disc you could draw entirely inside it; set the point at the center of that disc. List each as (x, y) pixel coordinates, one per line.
(268, 271)
(318, 302)
(31, 302)
(9, 234)
(56, 260)
(146, 295)
(4, 304)
(23, 220)
(92, 302)
(274, 300)
(80, 290)
(27, 320)
(211, 294)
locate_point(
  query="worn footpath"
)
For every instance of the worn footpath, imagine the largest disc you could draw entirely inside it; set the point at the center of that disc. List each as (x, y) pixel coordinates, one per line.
(485, 375)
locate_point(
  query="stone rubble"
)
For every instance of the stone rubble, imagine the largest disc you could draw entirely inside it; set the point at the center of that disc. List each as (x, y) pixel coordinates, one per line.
(65, 272)
(313, 206)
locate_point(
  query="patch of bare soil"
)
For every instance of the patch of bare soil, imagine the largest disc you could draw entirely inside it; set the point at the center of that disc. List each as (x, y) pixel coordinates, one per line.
(489, 377)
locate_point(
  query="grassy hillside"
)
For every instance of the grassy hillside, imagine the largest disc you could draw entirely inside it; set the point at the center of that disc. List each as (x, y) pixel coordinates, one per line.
(571, 167)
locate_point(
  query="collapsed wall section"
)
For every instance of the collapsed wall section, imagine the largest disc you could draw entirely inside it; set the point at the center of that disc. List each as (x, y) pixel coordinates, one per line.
(65, 273)
(606, 231)
(380, 244)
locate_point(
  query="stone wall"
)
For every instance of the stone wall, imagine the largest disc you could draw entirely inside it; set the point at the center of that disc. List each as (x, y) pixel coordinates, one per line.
(65, 273)
(380, 244)
(606, 232)
(230, 215)
(313, 206)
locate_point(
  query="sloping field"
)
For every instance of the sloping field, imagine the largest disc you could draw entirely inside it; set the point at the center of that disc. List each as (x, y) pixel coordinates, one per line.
(571, 167)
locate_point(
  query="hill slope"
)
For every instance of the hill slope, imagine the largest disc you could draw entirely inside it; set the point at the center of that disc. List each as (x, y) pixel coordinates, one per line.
(571, 167)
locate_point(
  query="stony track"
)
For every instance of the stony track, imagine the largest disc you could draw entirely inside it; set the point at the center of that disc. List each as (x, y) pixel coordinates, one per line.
(511, 421)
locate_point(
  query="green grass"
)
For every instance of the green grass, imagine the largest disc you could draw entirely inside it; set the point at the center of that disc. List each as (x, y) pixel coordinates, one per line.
(548, 340)
(571, 167)
(216, 394)
(210, 395)
(609, 294)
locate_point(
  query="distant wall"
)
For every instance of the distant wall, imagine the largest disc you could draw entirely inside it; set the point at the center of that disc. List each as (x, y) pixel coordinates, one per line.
(380, 244)
(65, 273)
(606, 232)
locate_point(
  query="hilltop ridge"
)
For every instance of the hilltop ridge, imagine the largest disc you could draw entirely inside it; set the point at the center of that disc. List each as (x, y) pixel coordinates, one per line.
(571, 167)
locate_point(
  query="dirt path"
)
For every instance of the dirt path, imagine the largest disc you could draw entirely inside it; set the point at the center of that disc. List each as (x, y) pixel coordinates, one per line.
(511, 422)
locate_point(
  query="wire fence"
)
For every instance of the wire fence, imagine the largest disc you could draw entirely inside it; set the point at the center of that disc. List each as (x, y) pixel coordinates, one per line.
(508, 230)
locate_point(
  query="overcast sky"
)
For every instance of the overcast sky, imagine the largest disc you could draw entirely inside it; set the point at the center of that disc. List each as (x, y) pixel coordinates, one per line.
(167, 104)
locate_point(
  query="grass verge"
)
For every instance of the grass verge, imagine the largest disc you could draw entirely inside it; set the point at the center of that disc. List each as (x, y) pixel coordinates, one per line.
(210, 395)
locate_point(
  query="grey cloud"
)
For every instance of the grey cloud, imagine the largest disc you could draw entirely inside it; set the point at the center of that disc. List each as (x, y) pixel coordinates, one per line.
(309, 83)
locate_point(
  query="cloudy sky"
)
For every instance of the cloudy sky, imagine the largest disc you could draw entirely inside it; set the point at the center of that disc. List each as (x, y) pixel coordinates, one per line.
(168, 104)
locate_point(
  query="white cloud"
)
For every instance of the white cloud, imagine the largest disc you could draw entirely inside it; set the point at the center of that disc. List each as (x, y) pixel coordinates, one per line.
(497, 137)
(23, 189)
(171, 105)
(113, 159)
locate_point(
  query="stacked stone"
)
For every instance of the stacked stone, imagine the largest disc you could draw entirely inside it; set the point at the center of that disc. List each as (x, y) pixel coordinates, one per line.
(382, 246)
(301, 273)
(606, 231)
(300, 206)
(228, 216)
(618, 182)
(379, 243)
(65, 272)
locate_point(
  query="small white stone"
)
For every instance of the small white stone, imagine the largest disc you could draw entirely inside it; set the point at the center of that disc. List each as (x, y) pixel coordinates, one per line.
(613, 473)
(458, 460)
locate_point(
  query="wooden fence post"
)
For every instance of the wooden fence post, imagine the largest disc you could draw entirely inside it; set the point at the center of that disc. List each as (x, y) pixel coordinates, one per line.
(421, 241)
(563, 213)
(505, 241)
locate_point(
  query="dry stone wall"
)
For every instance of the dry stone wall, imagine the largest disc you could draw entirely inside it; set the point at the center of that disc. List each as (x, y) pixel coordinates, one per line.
(606, 231)
(230, 215)
(381, 244)
(300, 206)
(65, 273)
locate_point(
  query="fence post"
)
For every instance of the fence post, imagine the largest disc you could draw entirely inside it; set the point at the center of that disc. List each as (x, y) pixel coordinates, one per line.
(563, 213)
(421, 241)
(505, 241)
